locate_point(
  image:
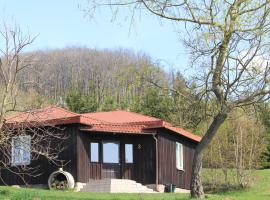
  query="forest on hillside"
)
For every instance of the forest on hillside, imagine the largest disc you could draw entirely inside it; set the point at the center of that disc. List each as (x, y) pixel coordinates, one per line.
(90, 80)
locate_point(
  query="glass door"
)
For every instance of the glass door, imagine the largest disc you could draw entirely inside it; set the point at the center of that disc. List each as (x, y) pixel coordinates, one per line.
(111, 159)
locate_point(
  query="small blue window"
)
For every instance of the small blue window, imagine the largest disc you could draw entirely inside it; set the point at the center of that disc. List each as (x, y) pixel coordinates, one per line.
(129, 153)
(94, 153)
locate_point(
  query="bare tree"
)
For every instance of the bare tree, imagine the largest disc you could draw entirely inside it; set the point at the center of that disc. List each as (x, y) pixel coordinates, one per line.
(236, 149)
(12, 63)
(229, 40)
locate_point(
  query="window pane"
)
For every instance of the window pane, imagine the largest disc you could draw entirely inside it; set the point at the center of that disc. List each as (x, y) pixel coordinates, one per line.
(94, 152)
(179, 156)
(110, 152)
(21, 150)
(129, 153)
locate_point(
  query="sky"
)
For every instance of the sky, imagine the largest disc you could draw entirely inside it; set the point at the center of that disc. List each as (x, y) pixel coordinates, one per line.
(62, 23)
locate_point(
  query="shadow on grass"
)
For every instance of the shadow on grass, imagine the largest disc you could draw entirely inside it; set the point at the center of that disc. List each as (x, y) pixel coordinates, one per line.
(5, 192)
(223, 188)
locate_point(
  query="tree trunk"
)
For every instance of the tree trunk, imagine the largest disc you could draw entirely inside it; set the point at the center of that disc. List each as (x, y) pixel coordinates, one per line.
(196, 182)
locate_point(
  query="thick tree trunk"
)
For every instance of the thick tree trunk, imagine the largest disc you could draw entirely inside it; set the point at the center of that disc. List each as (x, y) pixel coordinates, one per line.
(196, 182)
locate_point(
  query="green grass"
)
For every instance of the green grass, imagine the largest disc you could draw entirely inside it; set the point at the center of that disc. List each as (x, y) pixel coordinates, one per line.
(260, 190)
(37, 194)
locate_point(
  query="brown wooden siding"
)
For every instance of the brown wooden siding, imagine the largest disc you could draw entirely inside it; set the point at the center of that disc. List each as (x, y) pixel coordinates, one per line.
(142, 169)
(168, 173)
(128, 172)
(45, 168)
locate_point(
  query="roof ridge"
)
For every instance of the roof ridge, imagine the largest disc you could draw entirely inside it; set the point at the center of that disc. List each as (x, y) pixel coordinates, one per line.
(23, 112)
(66, 110)
(82, 115)
(138, 114)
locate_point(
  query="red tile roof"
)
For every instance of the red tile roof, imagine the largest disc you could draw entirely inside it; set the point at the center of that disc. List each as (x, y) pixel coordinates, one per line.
(113, 121)
(51, 115)
(89, 121)
(120, 117)
(130, 122)
(184, 133)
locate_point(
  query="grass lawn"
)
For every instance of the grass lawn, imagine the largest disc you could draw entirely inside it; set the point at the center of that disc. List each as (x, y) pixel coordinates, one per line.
(259, 191)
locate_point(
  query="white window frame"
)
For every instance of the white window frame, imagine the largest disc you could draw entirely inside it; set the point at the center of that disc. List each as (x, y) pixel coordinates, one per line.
(23, 151)
(179, 156)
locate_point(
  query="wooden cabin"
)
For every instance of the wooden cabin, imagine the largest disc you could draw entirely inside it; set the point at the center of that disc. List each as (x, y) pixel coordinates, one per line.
(115, 145)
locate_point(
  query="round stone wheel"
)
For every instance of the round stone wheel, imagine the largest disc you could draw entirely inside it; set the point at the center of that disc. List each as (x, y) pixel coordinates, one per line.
(64, 176)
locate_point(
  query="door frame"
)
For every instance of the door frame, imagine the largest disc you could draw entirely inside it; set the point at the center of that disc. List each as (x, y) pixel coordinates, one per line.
(128, 166)
(119, 164)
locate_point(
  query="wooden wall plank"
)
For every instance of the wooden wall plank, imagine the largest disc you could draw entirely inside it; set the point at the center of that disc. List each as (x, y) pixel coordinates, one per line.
(143, 168)
(45, 168)
(168, 173)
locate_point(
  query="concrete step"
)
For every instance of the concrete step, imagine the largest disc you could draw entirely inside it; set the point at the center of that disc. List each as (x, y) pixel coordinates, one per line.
(115, 186)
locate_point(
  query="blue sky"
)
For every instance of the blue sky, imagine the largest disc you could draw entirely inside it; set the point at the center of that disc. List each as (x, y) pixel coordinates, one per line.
(61, 23)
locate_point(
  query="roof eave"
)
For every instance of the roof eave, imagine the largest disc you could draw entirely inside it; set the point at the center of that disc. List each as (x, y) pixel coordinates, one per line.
(115, 132)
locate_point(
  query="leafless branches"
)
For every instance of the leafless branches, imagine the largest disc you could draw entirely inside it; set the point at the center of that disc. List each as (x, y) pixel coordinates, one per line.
(44, 138)
(11, 64)
(222, 31)
(230, 43)
(47, 141)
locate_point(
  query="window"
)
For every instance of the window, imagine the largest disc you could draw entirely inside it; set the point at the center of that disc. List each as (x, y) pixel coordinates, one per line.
(129, 153)
(20, 154)
(179, 156)
(94, 152)
(110, 152)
